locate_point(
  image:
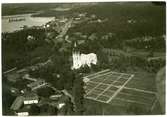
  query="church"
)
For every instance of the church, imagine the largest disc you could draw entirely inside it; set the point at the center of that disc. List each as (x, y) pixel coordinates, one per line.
(80, 60)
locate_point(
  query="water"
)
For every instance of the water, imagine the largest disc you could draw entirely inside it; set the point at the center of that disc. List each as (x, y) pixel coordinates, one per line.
(29, 21)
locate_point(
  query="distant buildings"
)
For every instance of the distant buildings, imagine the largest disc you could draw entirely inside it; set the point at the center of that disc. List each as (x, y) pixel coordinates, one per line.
(29, 96)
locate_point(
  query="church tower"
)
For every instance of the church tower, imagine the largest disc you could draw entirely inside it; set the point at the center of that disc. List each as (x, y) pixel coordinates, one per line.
(76, 56)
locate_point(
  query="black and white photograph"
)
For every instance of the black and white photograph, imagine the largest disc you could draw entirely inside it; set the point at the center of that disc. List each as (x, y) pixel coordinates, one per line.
(83, 58)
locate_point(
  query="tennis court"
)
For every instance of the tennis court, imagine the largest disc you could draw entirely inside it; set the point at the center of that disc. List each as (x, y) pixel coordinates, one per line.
(111, 87)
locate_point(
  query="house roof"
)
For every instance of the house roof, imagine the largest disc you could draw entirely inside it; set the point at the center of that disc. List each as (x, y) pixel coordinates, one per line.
(17, 103)
(36, 83)
(31, 96)
(13, 77)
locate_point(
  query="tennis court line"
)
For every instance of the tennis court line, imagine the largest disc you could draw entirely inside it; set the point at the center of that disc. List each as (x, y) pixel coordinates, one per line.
(95, 99)
(106, 87)
(140, 90)
(121, 73)
(98, 83)
(106, 74)
(95, 87)
(103, 71)
(126, 100)
(109, 86)
(115, 94)
(145, 97)
(103, 83)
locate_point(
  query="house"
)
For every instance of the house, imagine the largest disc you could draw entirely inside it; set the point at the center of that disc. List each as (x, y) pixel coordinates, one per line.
(13, 77)
(31, 98)
(62, 101)
(17, 103)
(22, 71)
(23, 111)
(9, 71)
(60, 105)
(27, 76)
(33, 68)
(14, 90)
(55, 97)
(37, 84)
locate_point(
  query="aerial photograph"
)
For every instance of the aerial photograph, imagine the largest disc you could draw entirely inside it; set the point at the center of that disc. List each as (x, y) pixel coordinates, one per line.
(91, 58)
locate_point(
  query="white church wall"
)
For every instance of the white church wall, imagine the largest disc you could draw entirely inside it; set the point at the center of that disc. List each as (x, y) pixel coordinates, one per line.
(80, 60)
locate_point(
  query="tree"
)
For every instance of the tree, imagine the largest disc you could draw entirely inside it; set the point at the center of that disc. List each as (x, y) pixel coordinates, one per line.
(47, 109)
(95, 68)
(78, 92)
(70, 107)
(34, 110)
(68, 79)
(85, 69)
(45, 92)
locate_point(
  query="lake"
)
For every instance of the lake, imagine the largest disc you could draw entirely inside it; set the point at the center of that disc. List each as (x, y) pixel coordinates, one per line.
(24, 19)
